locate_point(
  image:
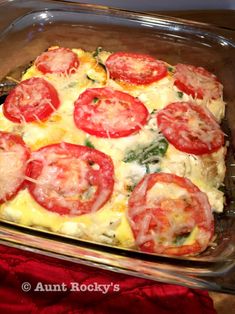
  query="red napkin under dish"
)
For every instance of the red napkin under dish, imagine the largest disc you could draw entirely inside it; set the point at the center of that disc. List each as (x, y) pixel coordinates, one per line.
(109, 292)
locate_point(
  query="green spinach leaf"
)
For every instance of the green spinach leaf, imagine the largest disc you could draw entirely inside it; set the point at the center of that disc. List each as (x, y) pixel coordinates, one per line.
(147, 154)
(88, 143)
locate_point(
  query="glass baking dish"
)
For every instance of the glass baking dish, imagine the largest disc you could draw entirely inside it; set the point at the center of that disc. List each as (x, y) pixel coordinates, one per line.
(29, 27)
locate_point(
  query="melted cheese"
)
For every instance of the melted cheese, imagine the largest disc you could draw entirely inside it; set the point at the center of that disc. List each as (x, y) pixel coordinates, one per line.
(109, 224)
(164, 191)
(206, 171)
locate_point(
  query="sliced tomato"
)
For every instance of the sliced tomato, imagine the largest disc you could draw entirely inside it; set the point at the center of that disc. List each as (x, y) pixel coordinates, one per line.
(13, 158)
(164, 210)
(58, 61)
(105, 112)
(32, 100)
(70, 179)
(197, 82)
(138, 69)
(191, 128)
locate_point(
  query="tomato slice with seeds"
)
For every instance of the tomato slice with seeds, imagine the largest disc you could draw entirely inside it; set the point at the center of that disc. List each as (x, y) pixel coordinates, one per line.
(191, 128)
(57, 61)
(34, 99)
(197, 82)
(105, 112)
(164, 210)
(13, 158)
(70, 179)
(133, 68)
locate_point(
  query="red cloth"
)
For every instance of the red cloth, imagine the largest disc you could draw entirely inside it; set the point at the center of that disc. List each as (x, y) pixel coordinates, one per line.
(135, 295)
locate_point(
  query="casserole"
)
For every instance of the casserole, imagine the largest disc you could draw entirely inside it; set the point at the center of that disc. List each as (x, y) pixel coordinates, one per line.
(49, 23)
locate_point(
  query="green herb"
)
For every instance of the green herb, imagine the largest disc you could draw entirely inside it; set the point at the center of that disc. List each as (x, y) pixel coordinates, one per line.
(153, 111)
(147, 169)
(88, 143)
(95, 100)
(130, 188)
(180, 239)
(170, 69)
(147, 154)
(180, 94)
(131, 156)
(152, 168)
(97, 51)
(89, 78)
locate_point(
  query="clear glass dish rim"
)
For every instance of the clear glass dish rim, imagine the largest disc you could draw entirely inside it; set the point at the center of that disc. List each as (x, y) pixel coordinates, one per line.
(214, 31)
(183, 271)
